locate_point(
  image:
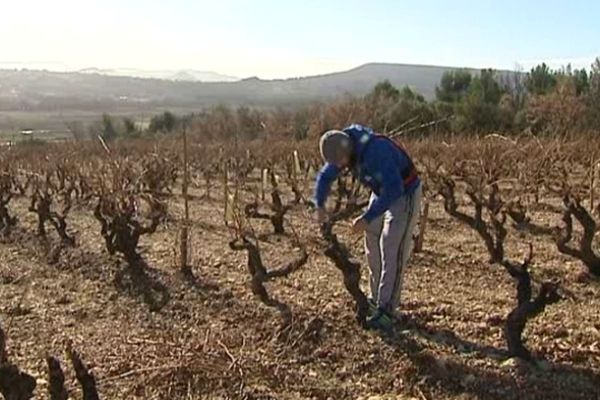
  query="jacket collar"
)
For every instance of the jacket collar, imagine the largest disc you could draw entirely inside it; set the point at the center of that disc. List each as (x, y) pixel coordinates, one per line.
(361, 136)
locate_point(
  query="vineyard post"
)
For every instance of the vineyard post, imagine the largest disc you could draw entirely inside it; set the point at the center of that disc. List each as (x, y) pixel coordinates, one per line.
(422, 225)
(263, 183)
(225, 192)
(296, 166)
(184, 237)
(592, 182)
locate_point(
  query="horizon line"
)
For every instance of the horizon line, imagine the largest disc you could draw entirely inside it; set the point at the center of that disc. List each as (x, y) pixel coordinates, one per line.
(555, 64)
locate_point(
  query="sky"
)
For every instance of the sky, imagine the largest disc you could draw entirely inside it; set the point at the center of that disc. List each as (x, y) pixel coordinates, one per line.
(289, 38)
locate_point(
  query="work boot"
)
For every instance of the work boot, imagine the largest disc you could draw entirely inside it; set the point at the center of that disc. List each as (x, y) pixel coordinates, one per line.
(372, 306)
(380, 320)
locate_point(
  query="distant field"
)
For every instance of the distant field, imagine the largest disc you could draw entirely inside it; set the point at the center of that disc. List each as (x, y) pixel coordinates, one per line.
(14, 121)
(56, 123)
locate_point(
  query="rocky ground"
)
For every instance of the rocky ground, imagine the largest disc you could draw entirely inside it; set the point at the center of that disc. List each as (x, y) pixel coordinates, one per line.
(164, 335)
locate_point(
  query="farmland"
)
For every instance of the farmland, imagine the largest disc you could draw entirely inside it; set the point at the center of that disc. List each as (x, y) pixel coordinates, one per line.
(501, 302)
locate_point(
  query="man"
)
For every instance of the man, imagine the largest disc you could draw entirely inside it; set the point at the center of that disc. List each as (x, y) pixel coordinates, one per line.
(394, 207)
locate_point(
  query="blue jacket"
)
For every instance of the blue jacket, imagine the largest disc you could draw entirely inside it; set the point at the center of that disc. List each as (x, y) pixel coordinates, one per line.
(379, 164)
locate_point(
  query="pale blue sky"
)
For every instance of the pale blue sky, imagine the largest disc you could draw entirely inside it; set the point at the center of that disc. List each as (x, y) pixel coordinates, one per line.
(273, 39)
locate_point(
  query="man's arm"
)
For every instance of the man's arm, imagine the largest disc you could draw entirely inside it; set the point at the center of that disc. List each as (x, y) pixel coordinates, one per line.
(380, 161)
(325, 178)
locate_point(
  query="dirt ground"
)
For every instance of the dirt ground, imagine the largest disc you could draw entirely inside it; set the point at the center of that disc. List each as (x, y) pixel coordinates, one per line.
(162, 335)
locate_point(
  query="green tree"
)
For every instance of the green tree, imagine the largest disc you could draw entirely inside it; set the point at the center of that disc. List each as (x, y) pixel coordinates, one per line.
(594, 80)
(408, 94)
(514, 99)
(384, 91)
(578, 78)
(108, 130)
(479, 110)
(593, 96)
(380, 102)
(582, 81)
(474, 114)
(453, 85)
(540, 80)
(491, 90)
(130, 127)
(164, 123)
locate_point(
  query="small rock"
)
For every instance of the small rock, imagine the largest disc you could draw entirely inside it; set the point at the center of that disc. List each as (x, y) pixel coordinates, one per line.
(468, 380)
(513, 362)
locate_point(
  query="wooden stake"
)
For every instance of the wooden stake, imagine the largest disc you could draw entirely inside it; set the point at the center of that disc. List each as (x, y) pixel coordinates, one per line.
(104, 146)
(184, 237)
(263, 183)
(422, 226)
(226, 193)
(592, 179)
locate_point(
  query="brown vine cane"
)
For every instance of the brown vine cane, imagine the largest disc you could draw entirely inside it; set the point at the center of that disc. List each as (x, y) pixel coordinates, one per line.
(56, 377)
(14, 384)
(584, 250)
(52, 202)
(86, 379)
(493, 234)
(7, 221)
(278, 209)
(56, 380)
(339, 254)
(260, 275)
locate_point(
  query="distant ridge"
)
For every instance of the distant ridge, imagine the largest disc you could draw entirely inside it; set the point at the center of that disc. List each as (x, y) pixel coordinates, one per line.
(189, 75)
(93, 89)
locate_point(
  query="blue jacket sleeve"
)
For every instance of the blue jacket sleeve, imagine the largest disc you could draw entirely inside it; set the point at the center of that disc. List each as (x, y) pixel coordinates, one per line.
(381, 165)
(325, 179)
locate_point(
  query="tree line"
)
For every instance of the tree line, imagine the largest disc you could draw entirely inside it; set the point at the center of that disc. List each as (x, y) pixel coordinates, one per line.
(541, 101)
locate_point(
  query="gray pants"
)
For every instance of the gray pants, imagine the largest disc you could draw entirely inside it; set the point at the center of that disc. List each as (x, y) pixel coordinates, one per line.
(389, 243)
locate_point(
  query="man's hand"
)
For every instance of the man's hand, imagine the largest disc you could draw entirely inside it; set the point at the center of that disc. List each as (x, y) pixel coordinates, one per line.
(359, 225)
(321, 215)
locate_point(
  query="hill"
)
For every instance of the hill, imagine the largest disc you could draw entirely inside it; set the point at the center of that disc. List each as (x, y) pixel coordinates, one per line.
(188, 75)
(31, 90)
